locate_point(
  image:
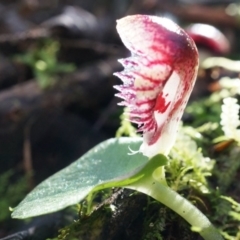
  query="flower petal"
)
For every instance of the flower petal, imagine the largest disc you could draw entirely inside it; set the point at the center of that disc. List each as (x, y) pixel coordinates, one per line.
(158, 77)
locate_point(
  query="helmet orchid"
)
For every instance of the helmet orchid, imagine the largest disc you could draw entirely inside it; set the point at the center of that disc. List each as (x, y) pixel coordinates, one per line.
(158, 78)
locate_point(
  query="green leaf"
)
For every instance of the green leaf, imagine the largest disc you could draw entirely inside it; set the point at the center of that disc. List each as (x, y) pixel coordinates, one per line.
(107, 162)
(151, 169)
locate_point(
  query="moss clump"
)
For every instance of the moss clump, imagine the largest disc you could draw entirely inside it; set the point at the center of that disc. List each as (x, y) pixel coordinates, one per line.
(11, 192)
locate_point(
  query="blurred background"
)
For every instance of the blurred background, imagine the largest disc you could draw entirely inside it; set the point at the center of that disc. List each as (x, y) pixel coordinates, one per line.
(57, 59)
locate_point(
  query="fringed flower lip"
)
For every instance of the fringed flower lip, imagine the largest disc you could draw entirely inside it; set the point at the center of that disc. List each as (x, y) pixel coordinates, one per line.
(158, 78)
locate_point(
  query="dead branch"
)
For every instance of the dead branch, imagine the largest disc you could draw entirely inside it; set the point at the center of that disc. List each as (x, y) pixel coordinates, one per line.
(89, 86)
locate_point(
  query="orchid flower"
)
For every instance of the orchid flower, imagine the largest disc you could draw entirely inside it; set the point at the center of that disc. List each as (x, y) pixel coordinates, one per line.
(157, 81)
(158, 78)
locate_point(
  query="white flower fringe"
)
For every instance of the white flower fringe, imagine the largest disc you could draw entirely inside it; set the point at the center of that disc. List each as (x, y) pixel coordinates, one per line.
(230, 118)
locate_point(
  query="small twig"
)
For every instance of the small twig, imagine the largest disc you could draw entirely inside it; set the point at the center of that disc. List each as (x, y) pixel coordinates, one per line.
(110, 200)
(105, 114)
(28, 35)
(27, 155)
(200, 13)
(90, 44)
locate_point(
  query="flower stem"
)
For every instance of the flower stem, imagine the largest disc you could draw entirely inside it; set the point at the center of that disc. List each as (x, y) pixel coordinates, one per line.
(164, 194)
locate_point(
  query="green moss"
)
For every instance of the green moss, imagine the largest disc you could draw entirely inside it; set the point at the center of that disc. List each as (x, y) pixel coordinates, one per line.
(42, 59)
(11, 192)
(126, 128)
(188, 168)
